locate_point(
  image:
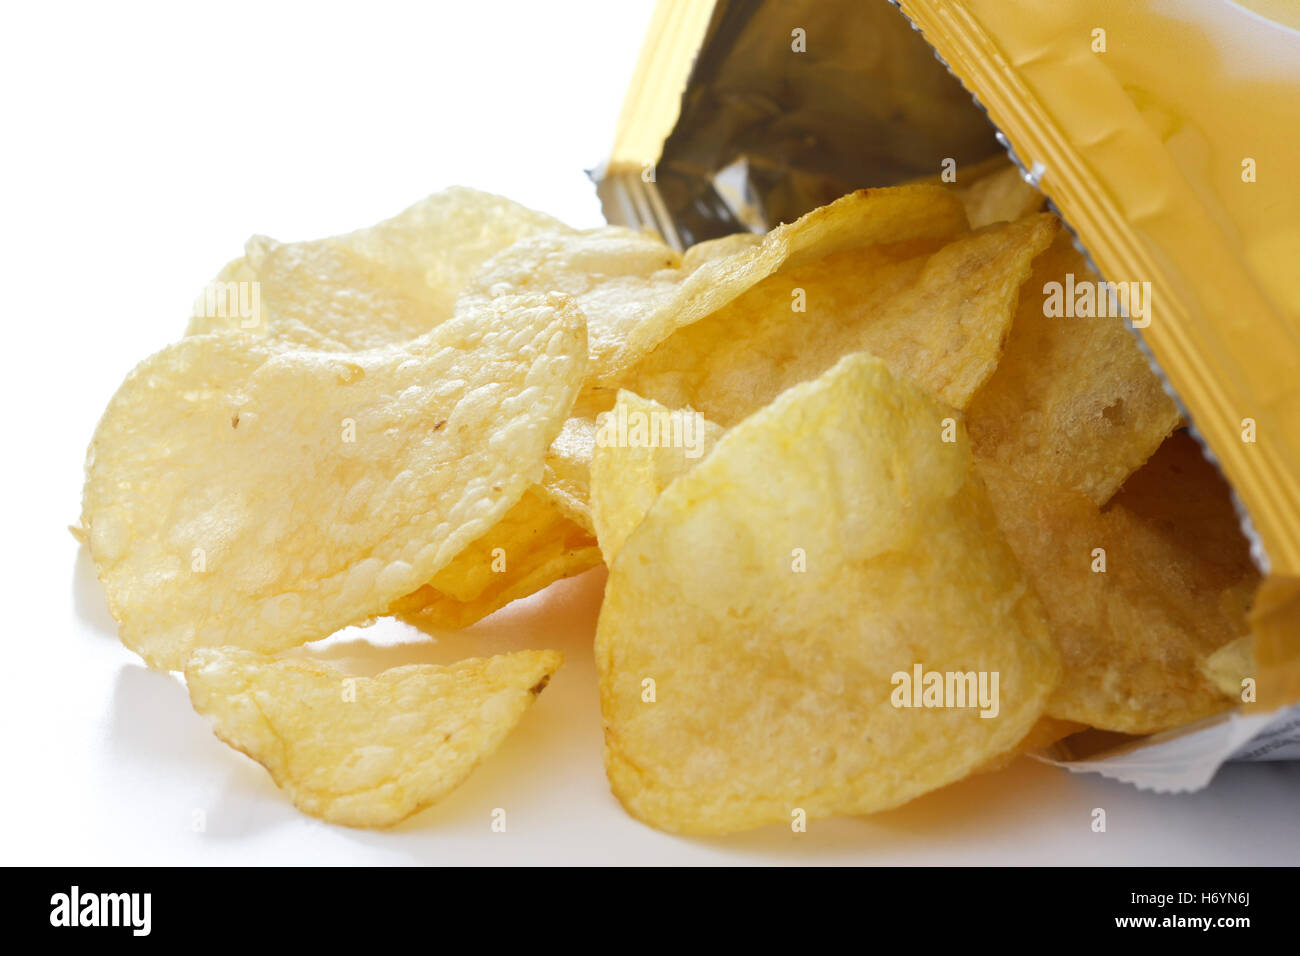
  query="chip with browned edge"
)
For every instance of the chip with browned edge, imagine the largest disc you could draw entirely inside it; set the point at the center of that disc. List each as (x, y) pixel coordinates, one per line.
(365, 751)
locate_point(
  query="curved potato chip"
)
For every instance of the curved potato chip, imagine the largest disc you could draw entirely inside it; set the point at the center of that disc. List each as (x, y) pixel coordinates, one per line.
(365, 751)
(1074, 401)
(533, 546)
(992, 190)
(616, 276)
(772, 595)
(377, 286)
(868, 217)
(239, 493)
(719, 248)
(939, 316)
(641, 448)
(635, 290)
(1134, 601)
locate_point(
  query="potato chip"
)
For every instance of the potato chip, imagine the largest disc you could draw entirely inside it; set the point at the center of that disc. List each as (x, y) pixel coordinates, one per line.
(622, 279)
(247, 494)
(546, 537)
(992, 190)
(868, 217)
(378, 286)
(719, 248)
(756, 622)
(616, 276)
(1134, 607)
(365, 751)
(566, 480)
(1231, 666)
(1074, 401)
(641, 448)
(533, 546)
(1001, 196)
(635, 290)
(939, 316)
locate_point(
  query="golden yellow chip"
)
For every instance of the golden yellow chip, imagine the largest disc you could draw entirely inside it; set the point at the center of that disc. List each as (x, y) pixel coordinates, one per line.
(566, 480)
(868, 217)
(377, 286)
(762, 626)
(938, 316)
(1074, 401)
(1001, 196)
(365, 751)
(617, 277)
(533, 546)
(1231, 666)
(719, 248)
(246, 494)
(1136, 597)
(993, 190)
(641, 447)
(635, 290)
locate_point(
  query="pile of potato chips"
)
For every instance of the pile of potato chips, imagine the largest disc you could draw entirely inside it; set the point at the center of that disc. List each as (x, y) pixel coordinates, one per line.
(823, 467)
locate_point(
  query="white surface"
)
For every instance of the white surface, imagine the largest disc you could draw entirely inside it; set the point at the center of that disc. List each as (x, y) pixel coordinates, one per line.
(142, 148)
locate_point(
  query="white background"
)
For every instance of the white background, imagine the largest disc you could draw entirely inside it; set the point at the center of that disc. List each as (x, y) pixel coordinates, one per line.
(141, 147)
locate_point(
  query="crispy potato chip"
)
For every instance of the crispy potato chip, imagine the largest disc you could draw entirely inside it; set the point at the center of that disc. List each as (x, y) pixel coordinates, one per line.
(378, 286)
(567, 477)
(1231, 665)
(641, 448)
(1131, 635)
(623, 280)
(617, 277)
(1001, 196)
(365, 751)
(992, 190)
(533, 546)
(387, 284)
(635, 290)
(868, 217)
(551, 538)
(1073, 402)
(755, 623)
(939, 316)
(719, 248)
(247, 494)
